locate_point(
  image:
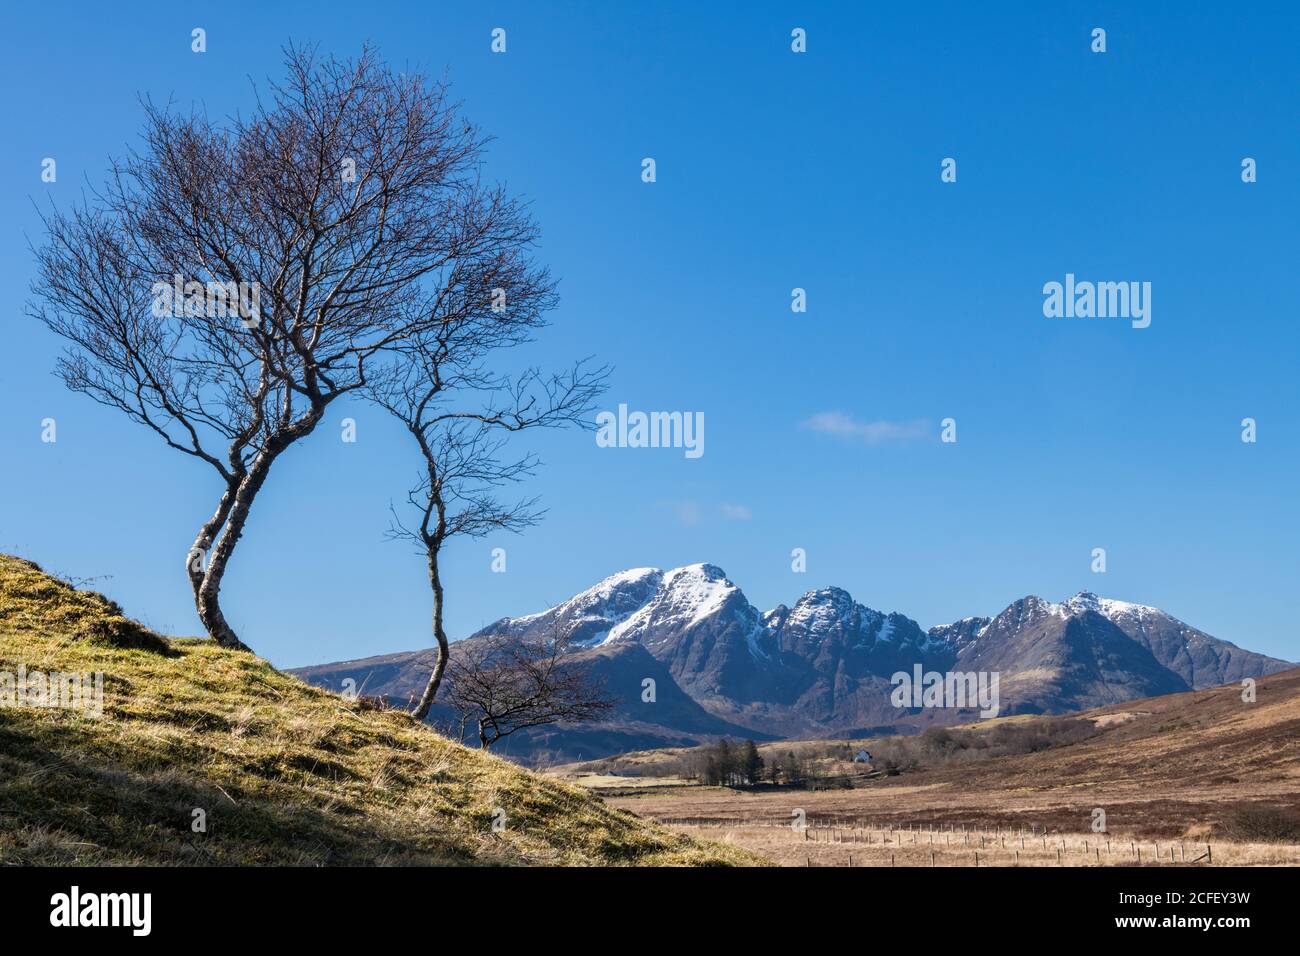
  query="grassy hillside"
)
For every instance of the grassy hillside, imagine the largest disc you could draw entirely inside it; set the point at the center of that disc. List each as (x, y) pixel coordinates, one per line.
(286, 773)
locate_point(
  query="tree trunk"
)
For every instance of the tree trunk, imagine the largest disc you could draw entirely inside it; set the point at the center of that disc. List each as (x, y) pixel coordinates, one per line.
(196, 561)
(208, 599)
(440, 665)
(230, 518)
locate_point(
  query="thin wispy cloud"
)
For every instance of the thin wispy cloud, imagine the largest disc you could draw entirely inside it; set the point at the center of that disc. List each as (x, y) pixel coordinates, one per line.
(877, 432)
(687, 513)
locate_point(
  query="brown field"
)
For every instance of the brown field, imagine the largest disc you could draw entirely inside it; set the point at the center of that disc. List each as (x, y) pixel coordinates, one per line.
(1185, 772)
(865, 847)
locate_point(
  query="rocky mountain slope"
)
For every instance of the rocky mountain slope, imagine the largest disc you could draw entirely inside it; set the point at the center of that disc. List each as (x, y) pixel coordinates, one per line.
(823, 666)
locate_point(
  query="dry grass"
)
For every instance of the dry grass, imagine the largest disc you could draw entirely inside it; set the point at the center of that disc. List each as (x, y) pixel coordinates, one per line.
(286, 773)
(866, 847)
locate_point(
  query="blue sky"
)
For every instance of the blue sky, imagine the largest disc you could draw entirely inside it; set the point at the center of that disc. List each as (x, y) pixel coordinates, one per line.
(774, 171)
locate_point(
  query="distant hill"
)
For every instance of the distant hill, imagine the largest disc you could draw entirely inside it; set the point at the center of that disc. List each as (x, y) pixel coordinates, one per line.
(283, 773)
(822, 667)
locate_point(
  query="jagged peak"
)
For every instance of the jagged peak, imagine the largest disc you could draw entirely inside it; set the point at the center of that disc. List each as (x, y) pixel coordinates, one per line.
(955, 631)
(599, 592)
(1079, 603)
(1029, 603)
(702, 571)
(829, 602)
(630, 576)
(1107, 607)
(827, 595)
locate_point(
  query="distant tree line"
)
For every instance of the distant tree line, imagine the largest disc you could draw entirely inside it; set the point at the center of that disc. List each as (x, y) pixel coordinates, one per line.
(829, 764)
(726, 764)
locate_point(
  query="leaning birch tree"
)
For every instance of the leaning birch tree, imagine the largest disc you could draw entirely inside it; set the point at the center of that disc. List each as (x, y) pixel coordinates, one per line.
(346, 217)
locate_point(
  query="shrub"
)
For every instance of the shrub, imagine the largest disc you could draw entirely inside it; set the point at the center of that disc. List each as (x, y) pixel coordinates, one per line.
(1262, 824)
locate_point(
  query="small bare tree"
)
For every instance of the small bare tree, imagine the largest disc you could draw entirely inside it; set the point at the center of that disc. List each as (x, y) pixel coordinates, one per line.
(346, 217)
(460, 415)
(502, 685)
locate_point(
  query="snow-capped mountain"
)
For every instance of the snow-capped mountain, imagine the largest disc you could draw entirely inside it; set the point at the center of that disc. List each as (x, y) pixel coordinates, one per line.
(822, 666)
(692, 619)
(1060, 657)
(1089, 649)
(1196, 657)
(593, 616)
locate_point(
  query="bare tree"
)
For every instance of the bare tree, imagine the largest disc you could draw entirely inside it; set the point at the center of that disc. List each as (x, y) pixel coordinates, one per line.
(503, 685)
(346, 215)
(460, 415)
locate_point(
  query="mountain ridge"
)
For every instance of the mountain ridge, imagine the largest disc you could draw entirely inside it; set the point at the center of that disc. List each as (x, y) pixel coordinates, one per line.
(822, 666)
